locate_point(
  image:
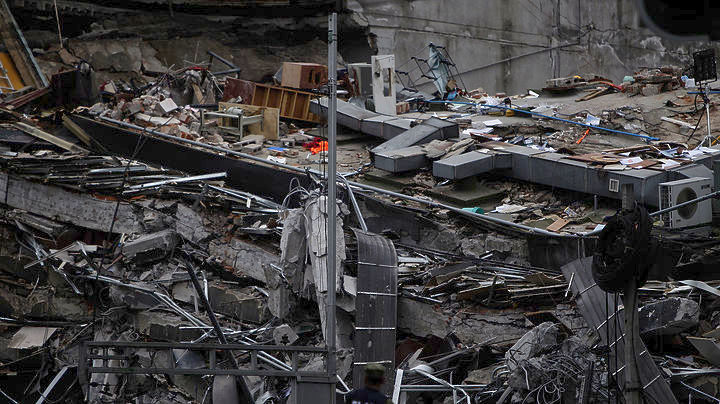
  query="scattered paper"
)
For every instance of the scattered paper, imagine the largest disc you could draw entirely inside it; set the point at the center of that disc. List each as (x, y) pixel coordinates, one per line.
(542, 148)
(693, 153)
(532, 94)
(631, 160)
(708, 150)
(493, 122)
(669, 153)
(509, 208)
(592, 120)
(483, 131)
(667, 163)
(281, 160)
(570, 212)
(599, 227)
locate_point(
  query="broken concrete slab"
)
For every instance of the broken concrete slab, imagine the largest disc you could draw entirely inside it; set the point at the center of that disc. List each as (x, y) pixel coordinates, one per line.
(423, 319)
(401, 160)
(151, 247)
(132, 298)
(669, 316)
(31, 337)
(232, 302)
(284, 335)
(243, 257)
(165, 106)
(542, 338)
(163, 326)
(59, 204)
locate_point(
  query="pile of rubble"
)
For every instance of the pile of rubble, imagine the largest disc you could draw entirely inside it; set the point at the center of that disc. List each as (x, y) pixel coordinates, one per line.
(157, 106)
(153, 250)
(650, 82)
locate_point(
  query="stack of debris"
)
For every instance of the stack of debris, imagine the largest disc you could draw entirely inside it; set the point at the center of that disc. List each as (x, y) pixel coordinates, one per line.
(653, 81)
(152, 276)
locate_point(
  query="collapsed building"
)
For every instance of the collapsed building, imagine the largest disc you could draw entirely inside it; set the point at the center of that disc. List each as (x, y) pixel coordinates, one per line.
(165, 224)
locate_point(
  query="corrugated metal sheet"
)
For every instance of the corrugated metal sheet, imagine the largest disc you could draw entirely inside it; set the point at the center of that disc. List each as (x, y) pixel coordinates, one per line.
(375, 305)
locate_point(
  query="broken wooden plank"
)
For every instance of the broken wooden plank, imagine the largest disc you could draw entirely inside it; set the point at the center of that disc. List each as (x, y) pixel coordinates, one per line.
(644, 164)
(63, 144)
(198, 94)
(542, 279)
(678, 122)
(76, 130)
(558, 224)
(598, 92)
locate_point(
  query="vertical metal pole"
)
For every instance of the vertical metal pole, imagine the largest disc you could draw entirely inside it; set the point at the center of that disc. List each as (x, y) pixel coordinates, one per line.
(632, 332)
(632, 329)
(716, 176)
(706, 98)
(331, 205)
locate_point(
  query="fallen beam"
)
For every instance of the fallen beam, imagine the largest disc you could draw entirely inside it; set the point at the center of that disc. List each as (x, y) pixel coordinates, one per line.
(56, 203)
(61, 143)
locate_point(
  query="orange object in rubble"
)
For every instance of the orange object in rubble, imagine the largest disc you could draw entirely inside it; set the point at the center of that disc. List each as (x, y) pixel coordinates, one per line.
(321, 147)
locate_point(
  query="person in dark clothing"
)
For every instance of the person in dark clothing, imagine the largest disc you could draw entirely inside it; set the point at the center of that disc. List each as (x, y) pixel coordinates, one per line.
(374, 379)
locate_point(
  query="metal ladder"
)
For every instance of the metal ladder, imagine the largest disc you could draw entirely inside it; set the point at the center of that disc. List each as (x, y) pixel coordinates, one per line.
(4, 76)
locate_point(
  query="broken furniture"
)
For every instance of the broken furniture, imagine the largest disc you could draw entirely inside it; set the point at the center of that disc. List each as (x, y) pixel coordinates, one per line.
(9, 78)
(241, 119)
(304, 76)
(293, 104)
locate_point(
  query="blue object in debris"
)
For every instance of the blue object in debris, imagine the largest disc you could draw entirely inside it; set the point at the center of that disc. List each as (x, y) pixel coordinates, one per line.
(479, 211)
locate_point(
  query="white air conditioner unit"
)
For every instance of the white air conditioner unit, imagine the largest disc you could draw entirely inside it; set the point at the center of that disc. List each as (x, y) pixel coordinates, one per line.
(676, 192)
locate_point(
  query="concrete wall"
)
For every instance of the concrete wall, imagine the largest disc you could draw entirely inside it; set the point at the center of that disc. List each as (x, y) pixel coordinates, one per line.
(541, 38)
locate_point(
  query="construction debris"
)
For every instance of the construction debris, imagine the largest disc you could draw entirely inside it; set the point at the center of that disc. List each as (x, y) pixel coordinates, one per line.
(166, 228)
